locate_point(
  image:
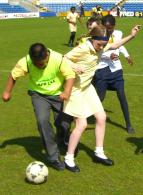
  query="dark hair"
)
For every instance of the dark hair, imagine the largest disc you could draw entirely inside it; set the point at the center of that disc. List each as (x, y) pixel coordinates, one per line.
(37, 51)
(73, 7)
(109, 19)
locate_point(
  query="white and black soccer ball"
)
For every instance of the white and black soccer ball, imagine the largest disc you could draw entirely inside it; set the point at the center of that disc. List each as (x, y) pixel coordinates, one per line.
(36, 172)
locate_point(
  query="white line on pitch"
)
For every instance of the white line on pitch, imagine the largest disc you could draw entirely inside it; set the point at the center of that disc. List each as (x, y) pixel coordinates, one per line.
(129, 74)
(134, 75)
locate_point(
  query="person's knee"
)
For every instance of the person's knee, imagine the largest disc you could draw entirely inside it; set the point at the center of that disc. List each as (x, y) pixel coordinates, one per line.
(101, 117)
(42, 120)
(65, 126)
(81, 125)
(64, 122)
(121, 94)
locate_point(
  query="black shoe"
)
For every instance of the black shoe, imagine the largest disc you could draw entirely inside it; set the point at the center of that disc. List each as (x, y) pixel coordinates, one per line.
(130, 130)
(74, 169)
(57, 164)
(107, 161)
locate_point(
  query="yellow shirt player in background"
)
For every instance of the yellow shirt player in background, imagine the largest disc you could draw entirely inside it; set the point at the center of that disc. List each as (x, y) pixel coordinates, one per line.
(97, 11)
(72, 18)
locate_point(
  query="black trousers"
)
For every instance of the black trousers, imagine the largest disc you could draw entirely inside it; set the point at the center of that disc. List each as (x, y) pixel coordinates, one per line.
(104, 80)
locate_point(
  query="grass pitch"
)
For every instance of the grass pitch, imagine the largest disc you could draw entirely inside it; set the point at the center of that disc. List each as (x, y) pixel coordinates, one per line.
(19, 139)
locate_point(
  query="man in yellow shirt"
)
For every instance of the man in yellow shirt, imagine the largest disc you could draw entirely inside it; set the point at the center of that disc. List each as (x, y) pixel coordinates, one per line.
(50, 82)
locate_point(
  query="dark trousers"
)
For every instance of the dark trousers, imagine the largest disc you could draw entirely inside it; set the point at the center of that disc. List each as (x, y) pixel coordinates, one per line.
(104, 80)
(43, 105)
(72, 38)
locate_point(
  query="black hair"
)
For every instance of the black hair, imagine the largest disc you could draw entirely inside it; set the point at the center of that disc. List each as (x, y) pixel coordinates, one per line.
(109, 19)
(73, 7)
(37, 51)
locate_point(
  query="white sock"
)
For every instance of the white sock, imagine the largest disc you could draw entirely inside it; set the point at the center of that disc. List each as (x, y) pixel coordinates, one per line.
(100, 152)
(69, 160)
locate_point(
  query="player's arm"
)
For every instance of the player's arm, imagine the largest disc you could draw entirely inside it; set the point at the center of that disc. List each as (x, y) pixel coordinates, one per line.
(124, 51)
(19, 70)
(71, 22)
(69, 75)
(8, 89)
(79, 19)
(126, 39)
(73, 56)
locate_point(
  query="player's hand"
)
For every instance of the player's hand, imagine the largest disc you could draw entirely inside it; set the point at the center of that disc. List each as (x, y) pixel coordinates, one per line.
(6, 96)
(135, 30)
(129, 60)
(77, 69)
(73, 23)
(64, 96)
(114, 56)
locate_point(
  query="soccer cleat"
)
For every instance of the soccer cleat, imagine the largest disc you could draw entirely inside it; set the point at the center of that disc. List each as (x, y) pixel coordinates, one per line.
(107, 162)
(74, 169)
(57, 164)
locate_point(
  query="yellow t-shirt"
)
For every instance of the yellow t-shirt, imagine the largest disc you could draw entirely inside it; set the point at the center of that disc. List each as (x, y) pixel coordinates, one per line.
(83, 101)
(21, 69)
(86, 57)
(94, 9)
(50, 80)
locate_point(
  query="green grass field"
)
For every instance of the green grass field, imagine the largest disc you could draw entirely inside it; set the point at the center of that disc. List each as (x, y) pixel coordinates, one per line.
(19, 139)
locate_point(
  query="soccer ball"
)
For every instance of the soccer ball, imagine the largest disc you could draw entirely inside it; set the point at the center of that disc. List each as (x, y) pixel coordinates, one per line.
(36, 172)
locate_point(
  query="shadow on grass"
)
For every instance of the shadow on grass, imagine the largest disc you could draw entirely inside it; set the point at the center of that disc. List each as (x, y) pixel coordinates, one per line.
(115, 124)
(86, 149)
(66, 44)
(32, 145)
(138, 142)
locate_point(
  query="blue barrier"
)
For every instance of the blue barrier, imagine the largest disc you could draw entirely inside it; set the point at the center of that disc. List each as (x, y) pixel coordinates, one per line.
(47, 14)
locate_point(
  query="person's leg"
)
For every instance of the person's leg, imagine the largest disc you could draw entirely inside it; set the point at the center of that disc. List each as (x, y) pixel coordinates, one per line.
(72, 38)
(124, 106)
(101, 89)
(80, 126)
(63, 124)
(73, 142)
(99, 133)
(99, 82)
(42, 109)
